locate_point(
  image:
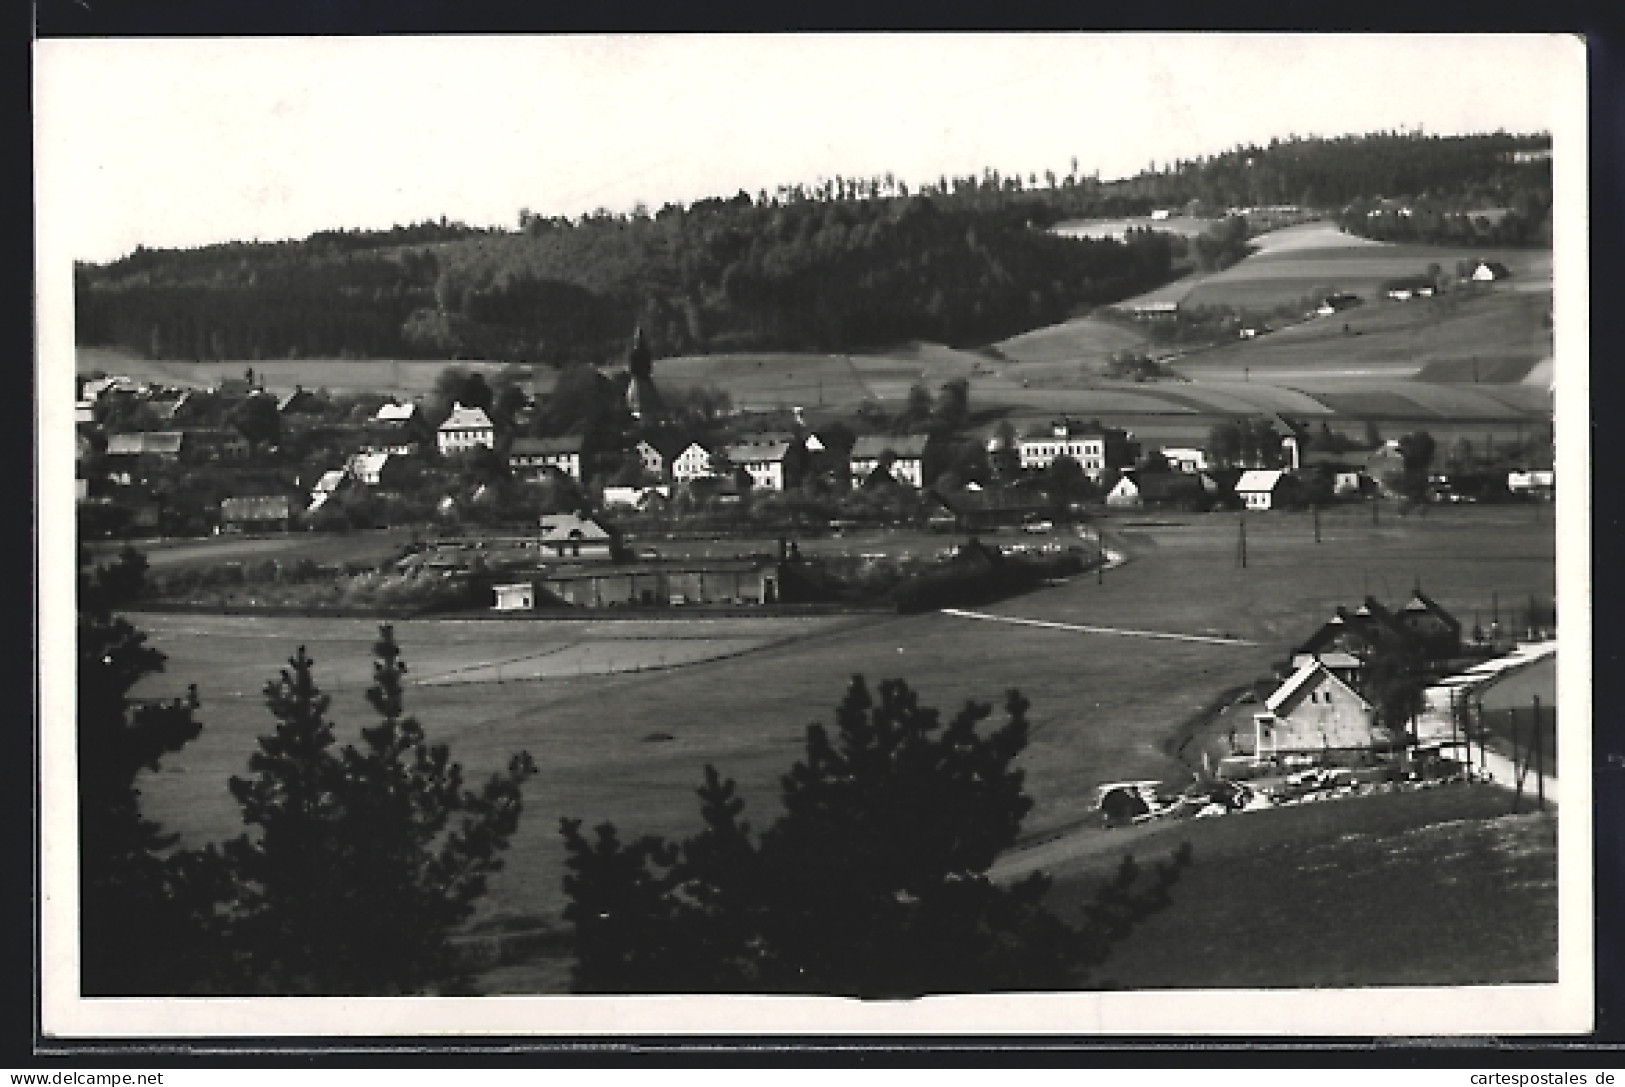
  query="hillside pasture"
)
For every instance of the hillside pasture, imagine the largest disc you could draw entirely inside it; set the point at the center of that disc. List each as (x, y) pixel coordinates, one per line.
(630, 746)
(1316, 236)
(1359, 868)
(1100, 400)
(1283, 277)
(1244, 398)
(1388, 341)
(1088, 340)
(768, 380)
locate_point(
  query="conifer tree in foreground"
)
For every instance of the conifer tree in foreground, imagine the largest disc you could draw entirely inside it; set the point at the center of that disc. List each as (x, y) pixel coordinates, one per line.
(363, 861)
(873, 883)
(141, 929)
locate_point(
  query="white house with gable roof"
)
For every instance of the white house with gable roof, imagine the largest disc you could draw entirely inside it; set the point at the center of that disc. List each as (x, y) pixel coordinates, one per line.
(466, 428)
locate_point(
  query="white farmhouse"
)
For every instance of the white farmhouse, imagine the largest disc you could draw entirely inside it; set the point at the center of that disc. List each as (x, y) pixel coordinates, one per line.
(466, 428)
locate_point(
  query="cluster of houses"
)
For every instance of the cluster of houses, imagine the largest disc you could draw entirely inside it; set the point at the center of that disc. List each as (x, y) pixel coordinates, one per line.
(1325, 708)
(377, 452)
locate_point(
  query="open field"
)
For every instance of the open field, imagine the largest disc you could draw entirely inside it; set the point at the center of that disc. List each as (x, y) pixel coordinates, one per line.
(1438, 887)
(1322, 235)
(1279, 277)
(1089, 340)
(630, 747)
(1392, 341)
(323, 548)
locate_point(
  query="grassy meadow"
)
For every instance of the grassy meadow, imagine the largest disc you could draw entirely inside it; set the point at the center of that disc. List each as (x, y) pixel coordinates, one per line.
(1437, 887)
(630, 746)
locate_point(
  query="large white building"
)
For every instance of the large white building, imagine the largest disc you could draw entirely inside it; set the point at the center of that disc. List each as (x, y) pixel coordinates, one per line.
(1096, 448)
(466, 428)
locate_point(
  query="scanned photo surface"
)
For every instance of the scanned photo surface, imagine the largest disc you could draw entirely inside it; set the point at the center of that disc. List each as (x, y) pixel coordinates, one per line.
(1056, 533)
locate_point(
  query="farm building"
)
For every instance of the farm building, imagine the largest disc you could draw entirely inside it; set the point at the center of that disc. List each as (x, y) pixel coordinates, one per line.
(994, 508)
(256, 513)
(215, 443)
(1488, 271)
(518, 596)
(1435, 631)
(1096, 448)
(1315, 712)
(1368, 629)
(635, 498)
(533, 457)
(717, 582)
(165, 444)
(466, 428)
(396, 414)
(1182, 459)
(658, 452)
(1162, 490)
(903, 458)
(694, 462)
(1527, 484)
(572, 536)
(376, 469)
(1262, 489)
(770, 464)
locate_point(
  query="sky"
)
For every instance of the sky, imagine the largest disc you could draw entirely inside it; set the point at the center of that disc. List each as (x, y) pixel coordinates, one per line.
(184, 142)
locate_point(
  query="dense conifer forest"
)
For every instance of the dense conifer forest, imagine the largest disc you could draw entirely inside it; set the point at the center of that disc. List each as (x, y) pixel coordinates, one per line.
(843, 264)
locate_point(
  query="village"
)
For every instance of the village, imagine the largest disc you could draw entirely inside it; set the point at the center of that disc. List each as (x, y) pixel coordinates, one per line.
(670, 520)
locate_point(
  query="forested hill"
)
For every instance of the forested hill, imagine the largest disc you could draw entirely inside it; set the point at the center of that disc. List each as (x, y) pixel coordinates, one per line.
(846, 263)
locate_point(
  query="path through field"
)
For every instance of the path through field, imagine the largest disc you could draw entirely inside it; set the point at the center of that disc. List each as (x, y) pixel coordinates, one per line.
(1096, 630)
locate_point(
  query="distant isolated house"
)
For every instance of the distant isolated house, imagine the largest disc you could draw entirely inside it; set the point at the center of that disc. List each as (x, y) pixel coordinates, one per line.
(1315, 712)
(572, 536)
(256, 513)
(1488, 271)
(1261, 489)
(466, 428)
(903, 457)
(534, 457)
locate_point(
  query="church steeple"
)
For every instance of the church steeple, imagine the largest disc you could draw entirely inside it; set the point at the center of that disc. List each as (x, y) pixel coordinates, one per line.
(642, 398)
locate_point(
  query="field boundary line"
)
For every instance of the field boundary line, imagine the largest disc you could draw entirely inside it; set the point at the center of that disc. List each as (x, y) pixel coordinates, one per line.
(1082, 629)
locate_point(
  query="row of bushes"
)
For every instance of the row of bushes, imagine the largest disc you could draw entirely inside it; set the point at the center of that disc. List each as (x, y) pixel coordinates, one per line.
(963, 584)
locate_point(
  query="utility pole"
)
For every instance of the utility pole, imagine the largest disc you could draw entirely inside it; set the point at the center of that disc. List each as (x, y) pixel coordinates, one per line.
(1455, 743)
(1315, 510)
(1518, 766)
(1483, 753)
(1242, 540)
(1540, 767)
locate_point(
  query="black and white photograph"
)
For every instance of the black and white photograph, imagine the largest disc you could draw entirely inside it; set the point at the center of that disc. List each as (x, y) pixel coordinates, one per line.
(1014, 533)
